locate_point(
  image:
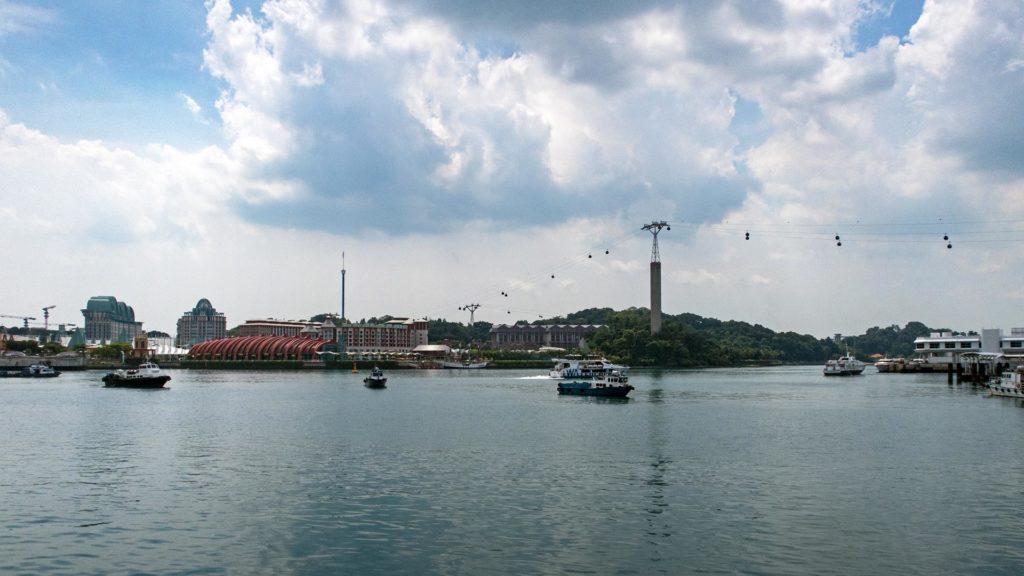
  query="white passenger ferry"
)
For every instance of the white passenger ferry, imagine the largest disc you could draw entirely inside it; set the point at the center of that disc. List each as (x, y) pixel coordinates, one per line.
(844, 366)
(582, 368)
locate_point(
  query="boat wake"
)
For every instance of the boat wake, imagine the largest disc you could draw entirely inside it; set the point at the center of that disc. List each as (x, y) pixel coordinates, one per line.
(539, 377)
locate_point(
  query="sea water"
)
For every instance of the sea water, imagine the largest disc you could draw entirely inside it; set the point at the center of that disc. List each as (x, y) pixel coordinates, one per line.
(732, 471)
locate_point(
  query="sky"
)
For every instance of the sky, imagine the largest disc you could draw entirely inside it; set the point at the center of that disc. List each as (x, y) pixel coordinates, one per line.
(508, 154)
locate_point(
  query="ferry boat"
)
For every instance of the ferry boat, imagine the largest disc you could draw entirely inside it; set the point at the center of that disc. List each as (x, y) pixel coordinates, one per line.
(1010, 384)
(147, 375)
(844, 366)
(582, 368)
(376, 379)
(614, 384)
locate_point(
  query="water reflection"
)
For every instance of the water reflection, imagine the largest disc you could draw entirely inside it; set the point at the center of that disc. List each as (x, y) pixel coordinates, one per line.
(659, 528)
(730, 471)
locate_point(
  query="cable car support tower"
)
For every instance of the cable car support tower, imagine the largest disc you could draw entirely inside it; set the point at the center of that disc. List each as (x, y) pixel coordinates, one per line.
(654, 228)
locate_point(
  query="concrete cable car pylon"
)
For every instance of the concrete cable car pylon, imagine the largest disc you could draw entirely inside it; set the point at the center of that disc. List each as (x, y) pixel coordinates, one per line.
(654, 228)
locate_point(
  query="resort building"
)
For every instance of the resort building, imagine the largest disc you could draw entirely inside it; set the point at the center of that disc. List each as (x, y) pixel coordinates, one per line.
(273, 327)
(538, 335)
(396, 336)
(201, 324)
(107, 320)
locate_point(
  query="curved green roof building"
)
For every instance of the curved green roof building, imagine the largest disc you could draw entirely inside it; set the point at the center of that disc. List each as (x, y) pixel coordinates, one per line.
(107, 320)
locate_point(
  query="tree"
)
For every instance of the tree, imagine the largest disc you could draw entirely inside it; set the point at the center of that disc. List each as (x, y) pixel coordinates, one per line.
(113, 351)
(53, 348)
(30, 347)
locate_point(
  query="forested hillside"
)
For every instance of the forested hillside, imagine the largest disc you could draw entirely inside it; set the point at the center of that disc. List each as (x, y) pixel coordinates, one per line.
(689, 340)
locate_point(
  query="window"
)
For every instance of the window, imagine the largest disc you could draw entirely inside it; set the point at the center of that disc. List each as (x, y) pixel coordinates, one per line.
(933, 344)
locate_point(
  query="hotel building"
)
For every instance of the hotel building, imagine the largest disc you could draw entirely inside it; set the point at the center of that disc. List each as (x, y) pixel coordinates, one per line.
(537, 335)
(202, 323)
(396, 336)
(107, 321)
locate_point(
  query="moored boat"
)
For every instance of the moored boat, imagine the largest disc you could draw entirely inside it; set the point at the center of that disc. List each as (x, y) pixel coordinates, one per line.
(1010, 384)
(614, 384)
(40, 371)
(376, 379)
(890, 364)
(33, 371)
(844, 366)
(464, 365)
(147, 375)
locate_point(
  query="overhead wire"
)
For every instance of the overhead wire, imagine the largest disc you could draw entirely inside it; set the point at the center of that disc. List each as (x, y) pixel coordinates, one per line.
(943, 232)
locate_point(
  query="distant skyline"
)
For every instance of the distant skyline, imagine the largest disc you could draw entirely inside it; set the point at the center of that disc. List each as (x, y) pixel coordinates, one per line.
(492, 152)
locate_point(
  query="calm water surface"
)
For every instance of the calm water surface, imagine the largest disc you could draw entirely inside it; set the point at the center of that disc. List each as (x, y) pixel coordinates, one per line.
(746, 471)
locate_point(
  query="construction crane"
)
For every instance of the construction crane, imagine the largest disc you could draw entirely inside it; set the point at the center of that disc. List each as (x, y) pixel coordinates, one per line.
(46, 316)
(22, 318)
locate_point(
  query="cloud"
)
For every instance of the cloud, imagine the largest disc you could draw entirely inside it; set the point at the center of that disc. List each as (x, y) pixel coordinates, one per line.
(193, 107)
(423, 131)
(99, 194)
(466, 151)
(698, 277)
(18, 18)
(963, 67)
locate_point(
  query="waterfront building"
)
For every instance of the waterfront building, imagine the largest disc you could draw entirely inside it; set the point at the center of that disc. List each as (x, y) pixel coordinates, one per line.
(947, 347)
(261, 348)
(107, 320)
(395, 336)
(537, 335)
(202, 323)
(270, 327)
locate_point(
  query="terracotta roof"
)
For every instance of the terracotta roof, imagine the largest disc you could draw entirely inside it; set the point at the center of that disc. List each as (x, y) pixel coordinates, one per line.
(257, 348)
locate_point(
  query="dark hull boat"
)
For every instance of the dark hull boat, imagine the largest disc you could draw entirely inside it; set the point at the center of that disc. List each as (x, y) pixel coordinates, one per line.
(145, 376)
(376, 379)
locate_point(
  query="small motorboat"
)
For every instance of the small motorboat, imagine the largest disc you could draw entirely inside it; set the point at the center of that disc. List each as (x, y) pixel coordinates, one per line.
(147, 375)
(376, 379)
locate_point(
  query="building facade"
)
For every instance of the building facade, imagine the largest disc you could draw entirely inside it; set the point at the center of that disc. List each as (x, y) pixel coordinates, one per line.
(202, 323)
(537, 335)
(107, 320)
(396, 336)
(946, 347)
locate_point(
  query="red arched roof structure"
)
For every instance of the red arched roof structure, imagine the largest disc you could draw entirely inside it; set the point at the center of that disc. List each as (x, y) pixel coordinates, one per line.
(258, 348)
